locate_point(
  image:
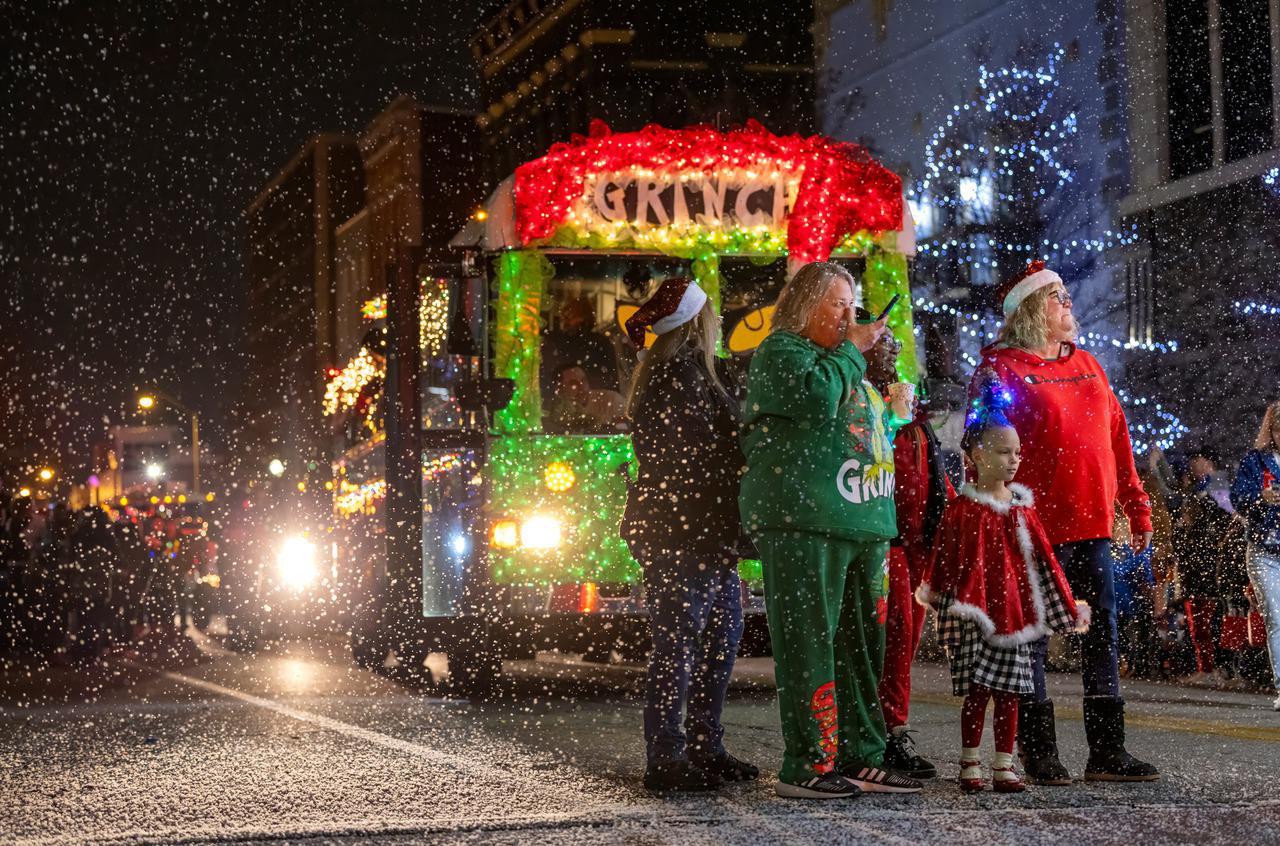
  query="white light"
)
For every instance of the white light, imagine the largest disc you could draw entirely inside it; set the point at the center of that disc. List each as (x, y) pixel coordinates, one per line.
(296, 562)
(540, 533)
(154, 471)
(458, 543)
(276, 467)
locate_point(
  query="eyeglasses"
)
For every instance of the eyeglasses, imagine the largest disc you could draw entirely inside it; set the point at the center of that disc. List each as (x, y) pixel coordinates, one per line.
(1062, 297)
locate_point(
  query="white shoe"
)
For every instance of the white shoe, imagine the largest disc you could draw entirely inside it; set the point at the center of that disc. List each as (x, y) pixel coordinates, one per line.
(1275, 706)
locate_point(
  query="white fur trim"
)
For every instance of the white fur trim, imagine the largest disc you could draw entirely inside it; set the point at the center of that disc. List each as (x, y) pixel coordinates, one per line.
(1021, 496)
(1027, 287)
(691, 302)
(1084, 616)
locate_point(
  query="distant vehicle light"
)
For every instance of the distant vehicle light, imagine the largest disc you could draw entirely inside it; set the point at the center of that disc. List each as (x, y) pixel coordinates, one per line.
(540, 532)
(296, 562)
(558, 477)
(506, 534)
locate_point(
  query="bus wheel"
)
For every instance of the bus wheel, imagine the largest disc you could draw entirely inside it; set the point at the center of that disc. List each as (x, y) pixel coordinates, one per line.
(474, 673)
(365, 649)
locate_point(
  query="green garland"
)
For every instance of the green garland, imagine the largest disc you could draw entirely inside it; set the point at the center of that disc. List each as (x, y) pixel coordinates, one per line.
(884, 276)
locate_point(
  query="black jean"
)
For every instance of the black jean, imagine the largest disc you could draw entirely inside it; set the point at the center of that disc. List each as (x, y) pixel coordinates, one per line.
(1089, 570)
(695, 621)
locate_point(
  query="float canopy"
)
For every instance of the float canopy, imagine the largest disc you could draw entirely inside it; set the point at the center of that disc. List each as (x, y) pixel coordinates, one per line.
(692, 191)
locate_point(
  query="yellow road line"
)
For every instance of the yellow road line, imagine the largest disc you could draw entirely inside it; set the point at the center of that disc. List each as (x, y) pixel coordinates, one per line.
(1181, 724)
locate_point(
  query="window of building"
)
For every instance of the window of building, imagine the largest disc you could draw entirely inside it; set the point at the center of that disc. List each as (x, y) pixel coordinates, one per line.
(1140, 300)
(1111, 95)
(1190, 99)
(1245, 32)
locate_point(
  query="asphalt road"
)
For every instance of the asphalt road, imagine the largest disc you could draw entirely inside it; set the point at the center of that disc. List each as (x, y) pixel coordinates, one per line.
(295, 745)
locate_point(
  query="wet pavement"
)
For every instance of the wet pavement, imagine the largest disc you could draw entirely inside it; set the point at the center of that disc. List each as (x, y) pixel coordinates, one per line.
(297, 745)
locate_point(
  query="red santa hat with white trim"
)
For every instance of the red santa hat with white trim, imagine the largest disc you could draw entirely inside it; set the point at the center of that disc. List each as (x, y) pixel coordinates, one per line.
(677, 301)
(1012, 293)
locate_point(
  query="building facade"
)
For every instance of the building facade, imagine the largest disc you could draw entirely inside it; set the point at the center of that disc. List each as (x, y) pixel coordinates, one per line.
(1204, 80)
(549, 67)
(290, 318)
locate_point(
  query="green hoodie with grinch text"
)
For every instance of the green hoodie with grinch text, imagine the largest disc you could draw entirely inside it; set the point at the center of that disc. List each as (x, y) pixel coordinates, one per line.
(819, 443)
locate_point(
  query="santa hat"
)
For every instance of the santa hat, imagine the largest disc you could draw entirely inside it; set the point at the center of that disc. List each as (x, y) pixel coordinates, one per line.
(1035, 277)
(677, 301)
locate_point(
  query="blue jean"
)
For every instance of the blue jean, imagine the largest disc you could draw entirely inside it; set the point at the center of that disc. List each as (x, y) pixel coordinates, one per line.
(695, 622)
(1088, 568)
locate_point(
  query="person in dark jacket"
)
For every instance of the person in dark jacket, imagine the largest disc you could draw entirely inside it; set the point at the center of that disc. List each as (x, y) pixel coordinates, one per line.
(1202, 523)
(681, 523)
(97, 563)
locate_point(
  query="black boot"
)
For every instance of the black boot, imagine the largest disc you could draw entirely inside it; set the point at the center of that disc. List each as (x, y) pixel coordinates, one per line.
(1108, 760)
(1037, 735)
(679, 776)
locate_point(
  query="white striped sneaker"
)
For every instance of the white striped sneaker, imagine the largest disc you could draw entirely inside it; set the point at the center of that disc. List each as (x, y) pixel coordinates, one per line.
(829, 786)
(878, 780)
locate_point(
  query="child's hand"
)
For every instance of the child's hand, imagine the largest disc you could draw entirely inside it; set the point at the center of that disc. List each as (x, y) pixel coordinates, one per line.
(1084, 614)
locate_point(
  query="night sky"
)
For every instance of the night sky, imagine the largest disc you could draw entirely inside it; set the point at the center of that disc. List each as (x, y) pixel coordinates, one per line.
(132, 136)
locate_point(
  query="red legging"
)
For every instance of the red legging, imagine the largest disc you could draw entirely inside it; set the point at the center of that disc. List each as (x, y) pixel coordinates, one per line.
(902, 630)
(974, 714)
(1200, 614)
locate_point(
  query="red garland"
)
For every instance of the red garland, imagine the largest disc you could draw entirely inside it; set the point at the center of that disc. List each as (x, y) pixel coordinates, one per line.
(843, 190)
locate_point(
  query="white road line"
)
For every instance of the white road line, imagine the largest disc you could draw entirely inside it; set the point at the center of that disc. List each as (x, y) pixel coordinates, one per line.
(454, 762)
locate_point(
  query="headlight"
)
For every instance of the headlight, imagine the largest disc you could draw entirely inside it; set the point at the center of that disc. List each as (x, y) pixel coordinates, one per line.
(540, 533)
(296, 562)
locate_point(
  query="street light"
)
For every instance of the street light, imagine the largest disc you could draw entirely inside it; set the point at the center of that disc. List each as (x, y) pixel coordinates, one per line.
(46, 474)
(146, 402)
(154, 471)
(276, 467)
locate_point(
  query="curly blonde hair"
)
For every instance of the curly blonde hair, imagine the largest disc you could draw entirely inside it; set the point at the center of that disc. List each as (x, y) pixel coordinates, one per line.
(1266, 435)
(1027, 328)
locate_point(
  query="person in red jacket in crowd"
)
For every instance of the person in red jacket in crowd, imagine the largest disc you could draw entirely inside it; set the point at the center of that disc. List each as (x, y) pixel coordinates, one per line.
(921, 493)
(1078, 462)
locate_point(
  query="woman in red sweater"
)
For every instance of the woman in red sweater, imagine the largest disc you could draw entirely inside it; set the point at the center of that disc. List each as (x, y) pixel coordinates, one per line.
(1078, 462)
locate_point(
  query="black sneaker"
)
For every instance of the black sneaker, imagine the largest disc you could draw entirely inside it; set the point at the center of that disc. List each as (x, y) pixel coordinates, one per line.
(679, 777)
(879, 780)
(900, 755)
(728, 768)
(829, 786)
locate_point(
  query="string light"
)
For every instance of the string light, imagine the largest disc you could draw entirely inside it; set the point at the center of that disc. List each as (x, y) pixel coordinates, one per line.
(1251, 307)
(343, 390)
(962, 175)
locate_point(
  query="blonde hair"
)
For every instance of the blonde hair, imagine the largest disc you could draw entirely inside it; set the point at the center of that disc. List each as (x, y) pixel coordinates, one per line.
(702, 333)
(800, 297)
(1266, 437)
(1028, 328)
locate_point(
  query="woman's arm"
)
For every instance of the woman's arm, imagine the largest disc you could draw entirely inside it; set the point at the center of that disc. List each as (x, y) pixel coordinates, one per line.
(792, 378)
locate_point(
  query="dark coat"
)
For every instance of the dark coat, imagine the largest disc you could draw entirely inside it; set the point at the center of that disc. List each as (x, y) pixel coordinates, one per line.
(686, 442)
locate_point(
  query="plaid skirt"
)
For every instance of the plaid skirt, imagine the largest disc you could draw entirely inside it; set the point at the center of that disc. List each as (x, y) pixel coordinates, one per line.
(975, 661)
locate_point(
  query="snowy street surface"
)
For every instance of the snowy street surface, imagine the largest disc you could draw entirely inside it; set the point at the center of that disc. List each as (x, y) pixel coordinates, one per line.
(295, 745)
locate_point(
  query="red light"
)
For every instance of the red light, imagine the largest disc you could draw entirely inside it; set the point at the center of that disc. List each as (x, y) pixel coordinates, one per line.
(588, 598)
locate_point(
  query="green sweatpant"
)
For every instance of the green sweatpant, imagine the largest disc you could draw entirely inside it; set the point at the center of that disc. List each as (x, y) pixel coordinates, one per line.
(825, 598)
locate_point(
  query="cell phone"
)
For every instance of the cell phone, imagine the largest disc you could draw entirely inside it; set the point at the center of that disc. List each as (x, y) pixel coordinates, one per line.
(893, 302)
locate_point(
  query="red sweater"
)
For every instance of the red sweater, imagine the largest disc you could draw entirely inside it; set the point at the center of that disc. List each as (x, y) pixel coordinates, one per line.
(1076, 455)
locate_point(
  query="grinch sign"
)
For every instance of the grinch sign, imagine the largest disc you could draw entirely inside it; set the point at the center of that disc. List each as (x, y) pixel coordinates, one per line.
(690, 191)
(725, 200)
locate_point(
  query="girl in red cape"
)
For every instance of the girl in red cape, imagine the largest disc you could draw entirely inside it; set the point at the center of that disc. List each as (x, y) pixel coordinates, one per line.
(997, 587)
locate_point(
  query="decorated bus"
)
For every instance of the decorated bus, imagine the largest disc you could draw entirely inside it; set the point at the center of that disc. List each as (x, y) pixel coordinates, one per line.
(524, 366)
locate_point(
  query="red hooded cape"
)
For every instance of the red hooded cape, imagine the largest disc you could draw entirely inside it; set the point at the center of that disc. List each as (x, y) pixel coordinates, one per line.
(995, 559)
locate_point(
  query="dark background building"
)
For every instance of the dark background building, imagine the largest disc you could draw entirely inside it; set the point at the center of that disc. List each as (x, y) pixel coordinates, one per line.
(1205, 147)
(548, 67)
(290, 315)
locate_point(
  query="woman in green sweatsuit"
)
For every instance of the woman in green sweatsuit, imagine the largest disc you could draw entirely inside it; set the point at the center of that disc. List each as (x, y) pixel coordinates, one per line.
(817, 499)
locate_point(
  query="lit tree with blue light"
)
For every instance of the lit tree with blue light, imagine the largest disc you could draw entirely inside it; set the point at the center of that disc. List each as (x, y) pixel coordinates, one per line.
(999, 188)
